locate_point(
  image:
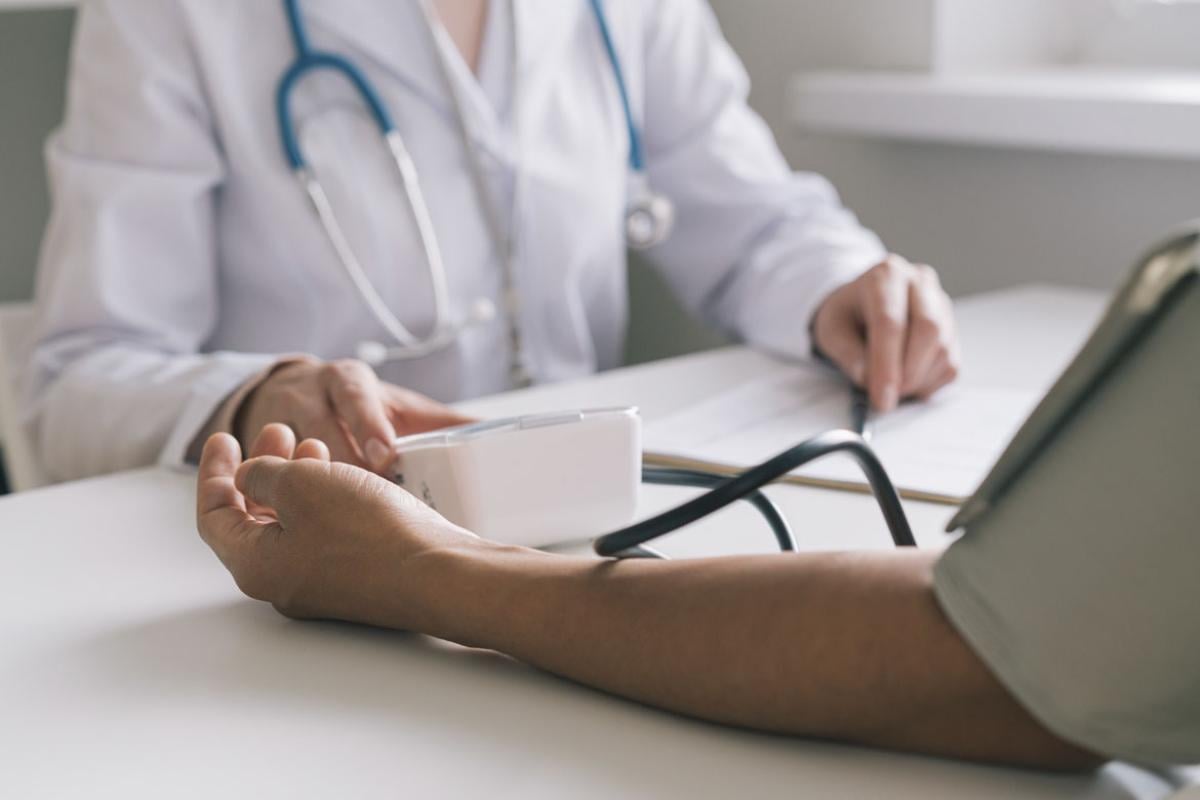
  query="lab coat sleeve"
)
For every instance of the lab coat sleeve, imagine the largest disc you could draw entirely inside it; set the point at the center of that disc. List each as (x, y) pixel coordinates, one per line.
(127, 284)
(756, 248)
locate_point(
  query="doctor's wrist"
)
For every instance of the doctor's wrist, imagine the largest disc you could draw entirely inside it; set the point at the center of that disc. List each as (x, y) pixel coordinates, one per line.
(235, 412)
(225, 417)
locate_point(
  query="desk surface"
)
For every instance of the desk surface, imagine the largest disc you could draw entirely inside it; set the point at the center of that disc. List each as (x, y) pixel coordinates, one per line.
(132, 667)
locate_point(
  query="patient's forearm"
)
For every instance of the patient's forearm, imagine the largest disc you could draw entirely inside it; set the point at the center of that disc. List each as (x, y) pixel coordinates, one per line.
(845, 646)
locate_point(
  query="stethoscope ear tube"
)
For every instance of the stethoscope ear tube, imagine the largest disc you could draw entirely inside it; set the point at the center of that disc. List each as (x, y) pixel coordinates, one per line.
(630, 541)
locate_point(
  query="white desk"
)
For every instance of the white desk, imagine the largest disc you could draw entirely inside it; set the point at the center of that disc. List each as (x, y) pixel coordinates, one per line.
(130, 666)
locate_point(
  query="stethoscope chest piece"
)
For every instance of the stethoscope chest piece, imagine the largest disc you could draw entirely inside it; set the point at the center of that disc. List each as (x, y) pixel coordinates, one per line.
(649, 219)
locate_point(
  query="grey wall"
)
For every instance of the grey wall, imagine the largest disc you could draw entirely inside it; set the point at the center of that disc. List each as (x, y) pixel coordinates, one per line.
(33, 59)
(987, 218)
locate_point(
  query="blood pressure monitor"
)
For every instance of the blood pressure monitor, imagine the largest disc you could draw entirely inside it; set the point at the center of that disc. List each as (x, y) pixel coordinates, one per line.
(533, 480)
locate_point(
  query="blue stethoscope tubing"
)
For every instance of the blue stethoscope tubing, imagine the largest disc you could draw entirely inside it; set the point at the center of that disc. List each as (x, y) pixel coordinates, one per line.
(648, 219)
(309, 60)
(637, 158)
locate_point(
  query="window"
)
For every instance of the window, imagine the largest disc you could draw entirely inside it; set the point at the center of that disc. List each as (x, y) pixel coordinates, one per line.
(1163, 34)
(1118, 77)
(990, 34)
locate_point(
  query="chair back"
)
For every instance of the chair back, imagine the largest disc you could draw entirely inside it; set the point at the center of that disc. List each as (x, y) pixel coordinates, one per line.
(20, 462)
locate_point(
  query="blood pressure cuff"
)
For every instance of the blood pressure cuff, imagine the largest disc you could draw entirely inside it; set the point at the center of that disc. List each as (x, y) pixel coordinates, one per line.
(1103, 647)
(1080, 585)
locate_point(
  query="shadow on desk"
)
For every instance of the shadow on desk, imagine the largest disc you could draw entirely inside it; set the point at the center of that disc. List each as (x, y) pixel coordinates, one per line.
(245, 673)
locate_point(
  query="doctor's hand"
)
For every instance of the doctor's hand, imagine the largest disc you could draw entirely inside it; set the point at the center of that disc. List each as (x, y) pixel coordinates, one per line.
(343, 404)
(891, 331)
(318, 539)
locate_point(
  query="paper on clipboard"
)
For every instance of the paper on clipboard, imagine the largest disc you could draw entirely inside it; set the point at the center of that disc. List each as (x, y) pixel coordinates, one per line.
(938, 450)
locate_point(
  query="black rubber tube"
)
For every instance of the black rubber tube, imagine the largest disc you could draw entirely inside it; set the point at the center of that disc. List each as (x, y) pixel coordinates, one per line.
(753, 479)
(672, 476)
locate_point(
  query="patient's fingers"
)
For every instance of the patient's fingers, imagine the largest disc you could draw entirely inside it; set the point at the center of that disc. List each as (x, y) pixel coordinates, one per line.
(266, 481)
(276, 440)
(220, 508)
(313, 448)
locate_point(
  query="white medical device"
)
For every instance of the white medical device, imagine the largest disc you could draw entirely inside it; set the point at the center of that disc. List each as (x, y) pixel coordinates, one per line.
(535, 480)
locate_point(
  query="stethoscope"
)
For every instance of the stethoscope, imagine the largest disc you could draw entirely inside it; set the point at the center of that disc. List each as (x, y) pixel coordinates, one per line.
(648, 219)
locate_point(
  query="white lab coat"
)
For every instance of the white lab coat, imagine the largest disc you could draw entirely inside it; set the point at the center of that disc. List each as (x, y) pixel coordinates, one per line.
(183, 258)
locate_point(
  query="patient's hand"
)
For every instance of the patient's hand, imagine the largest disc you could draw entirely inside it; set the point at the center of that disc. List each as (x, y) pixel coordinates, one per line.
(314, 538)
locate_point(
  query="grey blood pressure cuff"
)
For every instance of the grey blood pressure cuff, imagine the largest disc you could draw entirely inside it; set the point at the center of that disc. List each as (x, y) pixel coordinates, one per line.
(1101, 646)
(1078, 577)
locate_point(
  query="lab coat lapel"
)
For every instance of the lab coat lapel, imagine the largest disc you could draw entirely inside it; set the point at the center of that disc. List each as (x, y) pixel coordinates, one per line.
(391, 33)
(544, 28)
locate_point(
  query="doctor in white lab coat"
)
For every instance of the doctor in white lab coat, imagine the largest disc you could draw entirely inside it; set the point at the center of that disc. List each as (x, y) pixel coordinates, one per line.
(186, 285)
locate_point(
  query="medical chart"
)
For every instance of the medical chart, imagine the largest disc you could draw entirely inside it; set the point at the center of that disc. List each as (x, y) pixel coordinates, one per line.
(939, 450)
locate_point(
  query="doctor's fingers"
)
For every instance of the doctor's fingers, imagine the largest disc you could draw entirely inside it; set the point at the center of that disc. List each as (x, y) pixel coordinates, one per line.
(276, 439)
(884, 308)
(843, 345)
(356, 396)
(931, 352)
(313, 449)
(411, 412)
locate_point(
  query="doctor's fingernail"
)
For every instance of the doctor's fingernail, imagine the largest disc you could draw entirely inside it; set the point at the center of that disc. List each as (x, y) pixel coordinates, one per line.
(858, 373)
(889, 398)
(378, 454)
